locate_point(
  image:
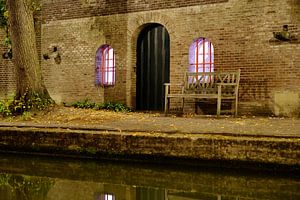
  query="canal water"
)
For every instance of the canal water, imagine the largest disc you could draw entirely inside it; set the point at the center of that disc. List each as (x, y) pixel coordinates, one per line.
(34, 178)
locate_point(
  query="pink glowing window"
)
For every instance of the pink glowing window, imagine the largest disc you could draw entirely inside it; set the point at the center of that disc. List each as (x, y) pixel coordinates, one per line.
(105, 66)
(106, 197)
(201, 56)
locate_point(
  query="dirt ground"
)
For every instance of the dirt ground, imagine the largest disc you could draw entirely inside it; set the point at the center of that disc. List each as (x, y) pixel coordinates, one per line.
(60, 116)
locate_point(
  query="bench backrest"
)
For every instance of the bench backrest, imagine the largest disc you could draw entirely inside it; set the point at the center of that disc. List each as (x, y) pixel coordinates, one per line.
(207, 82)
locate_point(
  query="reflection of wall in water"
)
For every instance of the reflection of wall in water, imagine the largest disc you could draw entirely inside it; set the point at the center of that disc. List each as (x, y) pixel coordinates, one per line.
(84, 180)
(68, 189)
(146, 193)
(205, 187)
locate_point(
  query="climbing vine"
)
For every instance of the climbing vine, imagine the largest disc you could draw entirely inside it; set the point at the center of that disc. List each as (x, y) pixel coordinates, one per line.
(3, 13)
(4, 24)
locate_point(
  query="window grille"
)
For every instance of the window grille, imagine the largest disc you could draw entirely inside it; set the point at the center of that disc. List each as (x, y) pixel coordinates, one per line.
(105, 66)
(201, 56)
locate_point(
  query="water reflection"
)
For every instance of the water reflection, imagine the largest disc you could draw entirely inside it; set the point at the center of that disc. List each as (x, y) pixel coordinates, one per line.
(55, 179)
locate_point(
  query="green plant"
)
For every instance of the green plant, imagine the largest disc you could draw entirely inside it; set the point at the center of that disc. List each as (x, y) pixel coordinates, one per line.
(35, 5)
(5, 108)
(4, 179)
(27, 187)
(4, 23)
(117, 107)
(3, 13)
(28, 102)
(83, 104)
(91, 150)
(26, 116)
(7, 41)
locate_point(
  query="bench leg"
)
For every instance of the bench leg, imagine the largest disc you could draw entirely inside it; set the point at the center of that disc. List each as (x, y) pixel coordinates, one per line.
(166, 105)
(182, 105)
(219, 107)
(219, 102)
(236, 107)
(167, 101)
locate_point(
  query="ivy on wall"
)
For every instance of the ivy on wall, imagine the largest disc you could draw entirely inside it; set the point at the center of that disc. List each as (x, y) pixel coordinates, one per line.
(4, 24)
(3, 13)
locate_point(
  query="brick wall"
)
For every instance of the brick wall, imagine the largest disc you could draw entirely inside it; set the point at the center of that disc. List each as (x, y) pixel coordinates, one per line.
(71, 9)
(7, 71)
(77, 41)
(240, 30)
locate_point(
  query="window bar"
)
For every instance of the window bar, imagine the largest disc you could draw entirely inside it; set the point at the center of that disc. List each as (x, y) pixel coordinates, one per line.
(203, 45)
(107, 66)
(197, 55)
(102, 66)
(113, 68)
(210, 61)
(96, 69)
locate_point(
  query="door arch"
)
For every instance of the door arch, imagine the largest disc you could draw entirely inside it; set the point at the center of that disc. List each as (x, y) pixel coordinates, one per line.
(153, 67)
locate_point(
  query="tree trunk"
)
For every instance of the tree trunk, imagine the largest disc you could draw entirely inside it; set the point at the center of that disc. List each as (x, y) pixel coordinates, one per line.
(25, 55)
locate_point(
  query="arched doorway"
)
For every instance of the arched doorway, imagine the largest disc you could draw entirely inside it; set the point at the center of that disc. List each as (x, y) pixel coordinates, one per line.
(153, 67)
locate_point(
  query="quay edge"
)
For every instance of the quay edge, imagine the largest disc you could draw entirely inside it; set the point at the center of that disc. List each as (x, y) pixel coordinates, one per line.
(245, 151)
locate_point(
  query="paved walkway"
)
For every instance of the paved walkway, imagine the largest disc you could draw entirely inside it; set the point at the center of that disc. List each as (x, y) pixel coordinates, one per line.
(141, 122)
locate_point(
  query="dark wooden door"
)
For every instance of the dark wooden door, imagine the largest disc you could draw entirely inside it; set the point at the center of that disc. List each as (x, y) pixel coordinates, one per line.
(153, 67)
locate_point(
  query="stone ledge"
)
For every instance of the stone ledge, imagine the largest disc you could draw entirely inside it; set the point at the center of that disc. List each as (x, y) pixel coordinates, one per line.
(88, 129)
(197, 148)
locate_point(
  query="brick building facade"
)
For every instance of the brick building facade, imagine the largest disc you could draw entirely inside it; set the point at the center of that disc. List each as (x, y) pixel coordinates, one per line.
(240, 30)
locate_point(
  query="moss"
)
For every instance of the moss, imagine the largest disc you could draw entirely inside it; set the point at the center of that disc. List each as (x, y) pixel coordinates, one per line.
(90, 150)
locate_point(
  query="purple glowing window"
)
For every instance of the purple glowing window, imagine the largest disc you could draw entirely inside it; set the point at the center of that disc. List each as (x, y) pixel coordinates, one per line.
(105, 66)
(106, 197)
(201, 56)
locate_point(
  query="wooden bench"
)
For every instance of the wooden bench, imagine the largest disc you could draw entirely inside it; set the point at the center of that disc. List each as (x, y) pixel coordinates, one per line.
(206, 85)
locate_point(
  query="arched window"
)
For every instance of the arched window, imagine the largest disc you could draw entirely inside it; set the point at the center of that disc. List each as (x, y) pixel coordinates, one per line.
(105, 66)
(201, 56)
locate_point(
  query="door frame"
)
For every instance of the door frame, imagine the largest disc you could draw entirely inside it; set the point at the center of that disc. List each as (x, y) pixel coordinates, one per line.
(166, 60)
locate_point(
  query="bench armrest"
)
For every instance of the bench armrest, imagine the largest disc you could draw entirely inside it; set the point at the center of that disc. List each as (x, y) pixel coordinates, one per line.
(169, 84)
(225, 84)
(168, 87)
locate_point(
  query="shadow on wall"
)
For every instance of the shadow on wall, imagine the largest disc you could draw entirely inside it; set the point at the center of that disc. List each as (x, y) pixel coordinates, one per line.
(266, 102)
(286, 103)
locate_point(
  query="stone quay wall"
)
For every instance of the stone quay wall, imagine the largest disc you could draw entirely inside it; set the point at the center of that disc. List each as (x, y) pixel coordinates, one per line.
(198, 148)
